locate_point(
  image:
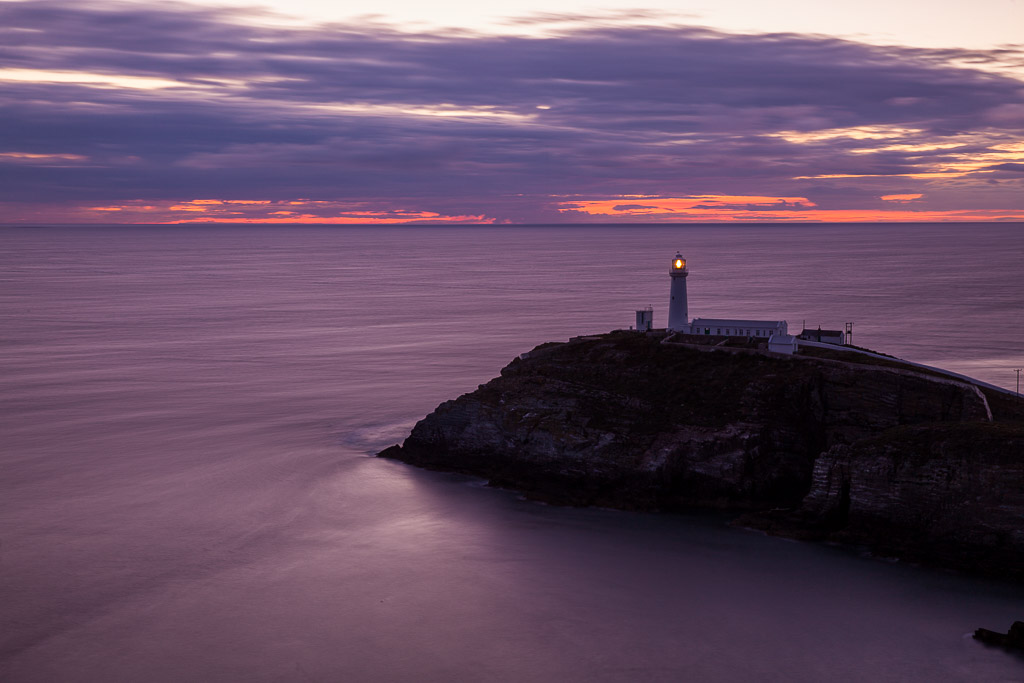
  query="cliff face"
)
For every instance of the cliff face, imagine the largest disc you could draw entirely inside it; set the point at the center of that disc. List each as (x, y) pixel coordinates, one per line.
(622, 420)
(949, 494)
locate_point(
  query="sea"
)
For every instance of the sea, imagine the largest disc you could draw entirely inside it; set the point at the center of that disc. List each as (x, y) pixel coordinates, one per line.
(188, 488)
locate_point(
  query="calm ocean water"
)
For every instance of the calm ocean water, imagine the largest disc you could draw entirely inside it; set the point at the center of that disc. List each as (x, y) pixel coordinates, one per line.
(185, 493)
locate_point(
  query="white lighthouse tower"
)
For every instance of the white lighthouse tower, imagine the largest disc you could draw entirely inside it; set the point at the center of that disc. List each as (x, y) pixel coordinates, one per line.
(677, 313)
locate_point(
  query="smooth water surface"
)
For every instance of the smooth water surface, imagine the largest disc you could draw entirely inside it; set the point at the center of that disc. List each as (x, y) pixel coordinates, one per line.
(185, 492)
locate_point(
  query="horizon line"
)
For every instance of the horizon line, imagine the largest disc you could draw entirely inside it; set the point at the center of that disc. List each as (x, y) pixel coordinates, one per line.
(462, 224)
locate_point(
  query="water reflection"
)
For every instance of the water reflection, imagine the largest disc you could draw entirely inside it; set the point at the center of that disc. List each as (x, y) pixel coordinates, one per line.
(186, 492)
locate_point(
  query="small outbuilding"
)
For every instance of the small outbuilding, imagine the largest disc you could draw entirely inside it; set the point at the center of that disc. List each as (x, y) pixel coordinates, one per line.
(645, 319)
(782, 343)
(824, 336)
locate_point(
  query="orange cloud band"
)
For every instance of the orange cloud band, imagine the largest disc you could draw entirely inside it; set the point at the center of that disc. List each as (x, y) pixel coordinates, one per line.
(742, 208)
(268, 211)
(900, 197)
(629, 206)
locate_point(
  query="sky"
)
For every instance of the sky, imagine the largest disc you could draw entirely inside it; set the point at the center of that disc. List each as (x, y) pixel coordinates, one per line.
(566, 111)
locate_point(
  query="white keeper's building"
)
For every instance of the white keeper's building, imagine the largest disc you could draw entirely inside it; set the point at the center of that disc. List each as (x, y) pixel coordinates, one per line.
(775, 331)
(735, 328)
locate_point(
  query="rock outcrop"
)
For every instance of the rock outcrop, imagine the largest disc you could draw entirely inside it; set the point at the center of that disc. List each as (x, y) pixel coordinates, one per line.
(1013, 640)
(908, 463)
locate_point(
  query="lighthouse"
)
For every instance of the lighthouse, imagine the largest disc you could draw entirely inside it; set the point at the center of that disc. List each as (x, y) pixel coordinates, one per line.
(677, 313)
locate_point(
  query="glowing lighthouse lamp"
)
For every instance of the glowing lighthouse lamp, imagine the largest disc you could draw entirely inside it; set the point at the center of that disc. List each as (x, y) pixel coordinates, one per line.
(677, 313)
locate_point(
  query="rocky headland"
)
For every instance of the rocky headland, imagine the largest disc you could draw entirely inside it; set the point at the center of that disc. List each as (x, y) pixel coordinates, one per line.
(832, 446)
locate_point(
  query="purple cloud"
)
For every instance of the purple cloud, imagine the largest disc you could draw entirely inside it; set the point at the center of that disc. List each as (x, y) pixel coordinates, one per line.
(496, 125)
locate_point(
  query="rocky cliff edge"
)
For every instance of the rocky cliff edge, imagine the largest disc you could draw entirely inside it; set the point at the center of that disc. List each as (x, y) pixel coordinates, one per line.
(910, 464)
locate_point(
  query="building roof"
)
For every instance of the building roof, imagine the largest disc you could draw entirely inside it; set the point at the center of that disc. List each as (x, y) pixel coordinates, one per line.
(724, 322)
(830, 333)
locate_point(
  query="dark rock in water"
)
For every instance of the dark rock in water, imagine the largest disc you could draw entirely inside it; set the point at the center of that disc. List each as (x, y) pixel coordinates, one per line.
(909, 463)
(1014, 639)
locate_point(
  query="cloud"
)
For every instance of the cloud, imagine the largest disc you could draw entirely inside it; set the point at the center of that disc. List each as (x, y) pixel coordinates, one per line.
(206, 210)
(901, 197)
(109, 103)
(774, 209)
(631, 207)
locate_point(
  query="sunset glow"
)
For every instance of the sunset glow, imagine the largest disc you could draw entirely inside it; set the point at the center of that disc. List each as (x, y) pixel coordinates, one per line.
(711, 204)
(27, 157)
(559, 118)
(768, 209)
(900, 197)
(253, 211)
